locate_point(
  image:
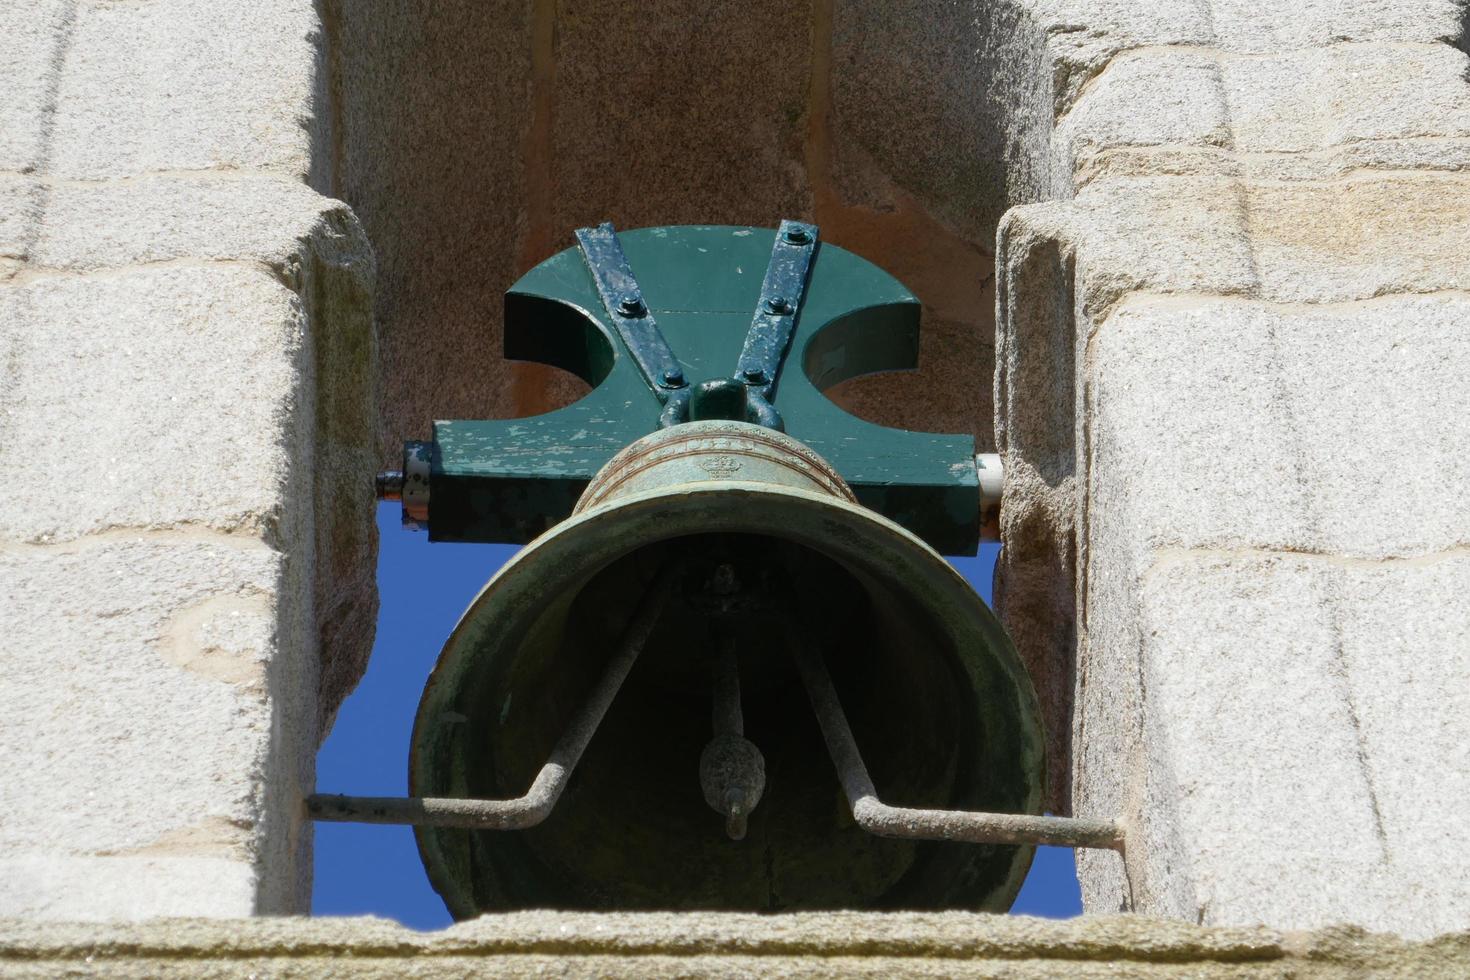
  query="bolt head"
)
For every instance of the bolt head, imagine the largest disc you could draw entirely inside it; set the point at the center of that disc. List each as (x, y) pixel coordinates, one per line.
(797, 236)
(631, 305)
(674, 378)
(778, 306)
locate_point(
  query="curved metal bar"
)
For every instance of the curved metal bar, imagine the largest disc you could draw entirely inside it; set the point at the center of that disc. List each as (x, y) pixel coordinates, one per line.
(676, 409)
(536, 805)
(877, 817)
(759, 411)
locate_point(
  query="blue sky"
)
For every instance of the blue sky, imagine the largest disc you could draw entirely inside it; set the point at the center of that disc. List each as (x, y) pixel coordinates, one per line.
(363, 869)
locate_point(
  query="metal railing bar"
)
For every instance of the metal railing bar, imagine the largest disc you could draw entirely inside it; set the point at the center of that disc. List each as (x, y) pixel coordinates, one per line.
(970, 826)
(536, 805)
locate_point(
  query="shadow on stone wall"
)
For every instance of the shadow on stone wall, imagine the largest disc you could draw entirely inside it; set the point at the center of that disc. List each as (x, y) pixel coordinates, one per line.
(474, 139)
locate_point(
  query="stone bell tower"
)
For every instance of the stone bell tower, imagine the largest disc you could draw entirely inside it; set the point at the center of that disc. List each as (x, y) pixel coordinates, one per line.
(1197, 270)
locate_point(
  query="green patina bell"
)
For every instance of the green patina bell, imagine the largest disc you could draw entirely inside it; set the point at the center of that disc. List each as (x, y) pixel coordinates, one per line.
(731, 599)
(770, 552)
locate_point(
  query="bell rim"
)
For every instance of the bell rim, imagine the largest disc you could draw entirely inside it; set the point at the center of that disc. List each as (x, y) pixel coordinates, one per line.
(539, 551)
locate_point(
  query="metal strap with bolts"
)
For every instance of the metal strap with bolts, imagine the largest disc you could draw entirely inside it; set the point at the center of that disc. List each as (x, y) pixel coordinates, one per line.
(774, 322)
(766, 341)
(628, 309)
(780, 301)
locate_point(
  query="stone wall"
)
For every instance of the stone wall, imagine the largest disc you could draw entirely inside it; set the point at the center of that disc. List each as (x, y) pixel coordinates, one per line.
(703, 944)
(475, 138)
(186, 412)
(1230, 347)
(1231, 397)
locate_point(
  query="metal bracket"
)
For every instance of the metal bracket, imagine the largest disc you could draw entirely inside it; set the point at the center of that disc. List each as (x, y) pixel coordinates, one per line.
(970, 826)
(535, 805)
(779, 305)
(628, 310)
(766, 341)
(775, 315)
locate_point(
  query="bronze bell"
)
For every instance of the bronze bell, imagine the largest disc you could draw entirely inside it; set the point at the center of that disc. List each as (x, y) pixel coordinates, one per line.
(719, 554)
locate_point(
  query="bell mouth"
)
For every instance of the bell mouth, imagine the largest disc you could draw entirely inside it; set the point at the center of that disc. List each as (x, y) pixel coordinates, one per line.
(939, 702)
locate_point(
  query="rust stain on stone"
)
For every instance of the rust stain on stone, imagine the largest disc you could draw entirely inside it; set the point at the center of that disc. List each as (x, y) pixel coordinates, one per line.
(223, 639)
(534, 388)
(860, 208)
(210, 837)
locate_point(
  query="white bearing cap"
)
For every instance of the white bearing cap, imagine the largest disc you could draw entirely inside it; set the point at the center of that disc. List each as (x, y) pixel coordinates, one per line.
(992, 477)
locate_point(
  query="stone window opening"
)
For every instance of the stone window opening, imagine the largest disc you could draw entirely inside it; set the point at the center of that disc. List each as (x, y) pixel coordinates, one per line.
(472, 142)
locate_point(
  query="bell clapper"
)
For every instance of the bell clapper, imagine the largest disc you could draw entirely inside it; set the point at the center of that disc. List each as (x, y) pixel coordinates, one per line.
(732, 771)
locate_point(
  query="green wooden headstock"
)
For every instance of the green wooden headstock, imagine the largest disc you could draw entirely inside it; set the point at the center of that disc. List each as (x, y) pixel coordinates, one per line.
(509, 479)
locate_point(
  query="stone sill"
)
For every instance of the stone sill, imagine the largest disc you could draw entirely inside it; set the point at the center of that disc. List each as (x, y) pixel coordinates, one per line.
(693, 944)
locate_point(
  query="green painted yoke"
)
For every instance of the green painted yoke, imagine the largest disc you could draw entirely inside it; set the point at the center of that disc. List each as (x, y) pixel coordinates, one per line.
(510, 479)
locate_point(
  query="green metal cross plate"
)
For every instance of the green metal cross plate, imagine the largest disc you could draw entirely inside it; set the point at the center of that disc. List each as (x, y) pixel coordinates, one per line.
(508, 480)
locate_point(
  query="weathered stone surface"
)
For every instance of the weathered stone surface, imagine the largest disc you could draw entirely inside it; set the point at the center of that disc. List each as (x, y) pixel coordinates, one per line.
(714, 944)
(1241, 25)
(1221, 504)
(910, 154)
(96, 420)
(83, 226)
(1257, 674)
(1297, 115)
(116, 421)
(188, 399)
(665, 116)
(910, 100)
(121, 888)
(1306, 242)
(151, 756)
(1408, 683)
(1370, 235)
(1268, 492)
(432, 162)
(251, 291)
(1215, 713)
(1305, 428)
(136, 88)
(28, 75)
(1083, 36)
